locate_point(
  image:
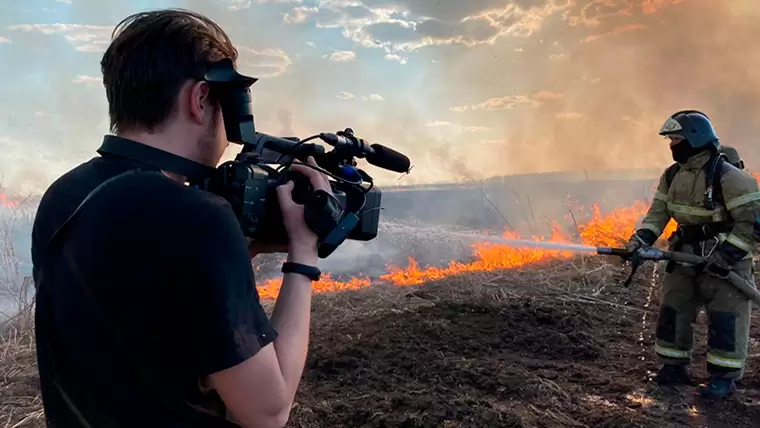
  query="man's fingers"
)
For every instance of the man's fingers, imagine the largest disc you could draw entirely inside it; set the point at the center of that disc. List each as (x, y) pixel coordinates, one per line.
(318, 180)
(284, 194)
(311, 161)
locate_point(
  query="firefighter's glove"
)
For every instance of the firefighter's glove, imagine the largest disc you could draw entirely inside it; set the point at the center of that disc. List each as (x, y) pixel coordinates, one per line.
(718, 264)
(640, 239)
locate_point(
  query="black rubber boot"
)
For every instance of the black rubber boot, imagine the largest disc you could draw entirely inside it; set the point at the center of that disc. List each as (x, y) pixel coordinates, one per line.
(717, 388)
(670, 375)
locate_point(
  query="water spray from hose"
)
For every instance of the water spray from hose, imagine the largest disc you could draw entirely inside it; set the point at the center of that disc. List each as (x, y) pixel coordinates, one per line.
(524, 243)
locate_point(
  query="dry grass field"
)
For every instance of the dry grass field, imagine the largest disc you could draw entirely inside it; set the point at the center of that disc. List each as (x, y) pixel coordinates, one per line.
(554, 345)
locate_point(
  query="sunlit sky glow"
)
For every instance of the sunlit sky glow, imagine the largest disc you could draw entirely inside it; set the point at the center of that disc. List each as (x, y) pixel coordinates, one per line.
(466, 88)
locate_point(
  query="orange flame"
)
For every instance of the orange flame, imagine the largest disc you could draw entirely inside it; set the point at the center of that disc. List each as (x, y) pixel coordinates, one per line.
(6, 202)
(600, 230)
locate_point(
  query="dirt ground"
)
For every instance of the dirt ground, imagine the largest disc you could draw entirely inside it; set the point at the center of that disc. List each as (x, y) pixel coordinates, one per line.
(562, 345)
(508, 349)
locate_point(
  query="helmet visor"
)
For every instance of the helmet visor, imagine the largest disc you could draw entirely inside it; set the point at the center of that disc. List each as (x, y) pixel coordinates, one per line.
(670, 126)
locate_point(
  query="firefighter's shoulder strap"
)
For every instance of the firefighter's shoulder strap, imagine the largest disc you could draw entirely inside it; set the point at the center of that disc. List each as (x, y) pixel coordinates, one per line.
(713, 173)
(671, 172)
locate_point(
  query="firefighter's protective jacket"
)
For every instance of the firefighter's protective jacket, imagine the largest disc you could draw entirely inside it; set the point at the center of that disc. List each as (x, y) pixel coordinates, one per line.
(684, 201)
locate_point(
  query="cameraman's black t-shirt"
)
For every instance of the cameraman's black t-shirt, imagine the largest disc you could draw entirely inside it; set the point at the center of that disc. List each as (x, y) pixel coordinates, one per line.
(150, 291)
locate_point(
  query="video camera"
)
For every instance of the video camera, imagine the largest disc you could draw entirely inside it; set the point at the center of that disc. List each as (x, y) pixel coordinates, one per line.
(248, 183)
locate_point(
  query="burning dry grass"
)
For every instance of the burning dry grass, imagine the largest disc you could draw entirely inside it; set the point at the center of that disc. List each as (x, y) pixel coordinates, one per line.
(558, 344)
(596, 229)
(576, 280)
(513, 337)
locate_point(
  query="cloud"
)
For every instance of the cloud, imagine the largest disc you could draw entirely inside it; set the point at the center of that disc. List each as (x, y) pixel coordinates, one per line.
(455, 127)
(545, 82)
(615, 31)
(299, 15)
(373, 97)
(594, 12)
(342, 56)
(395, 57)
(87, 79)
(268, 62)
(63, 1)
(5, 40)
(84, 38)
(408, 25)
(236, 5)
(511, 102)
(547, 96)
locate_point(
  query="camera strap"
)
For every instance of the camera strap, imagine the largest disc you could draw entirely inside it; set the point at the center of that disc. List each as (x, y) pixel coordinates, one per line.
(339, 234)
(154, 158)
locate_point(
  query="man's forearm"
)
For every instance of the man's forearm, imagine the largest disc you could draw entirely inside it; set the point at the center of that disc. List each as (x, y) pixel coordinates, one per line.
(291, 318)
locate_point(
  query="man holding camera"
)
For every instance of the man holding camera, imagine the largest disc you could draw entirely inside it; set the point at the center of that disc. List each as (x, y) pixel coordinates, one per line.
(147, 312)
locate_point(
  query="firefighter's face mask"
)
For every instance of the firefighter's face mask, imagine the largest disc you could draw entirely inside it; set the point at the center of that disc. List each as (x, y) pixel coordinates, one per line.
(681, 149)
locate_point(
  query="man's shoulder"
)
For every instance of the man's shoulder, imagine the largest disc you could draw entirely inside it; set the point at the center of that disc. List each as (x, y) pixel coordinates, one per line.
(153, 194)
(73, 181)
(128, 191)
(737, 180)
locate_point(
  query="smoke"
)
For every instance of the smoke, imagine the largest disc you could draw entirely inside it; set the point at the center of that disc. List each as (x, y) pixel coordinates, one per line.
(592, 95)
(469, 90)
(571, 86)
(476, 89)
(286, 120)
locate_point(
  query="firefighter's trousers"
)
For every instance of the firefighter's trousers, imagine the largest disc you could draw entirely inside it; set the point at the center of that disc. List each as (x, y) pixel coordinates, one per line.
(684, 292)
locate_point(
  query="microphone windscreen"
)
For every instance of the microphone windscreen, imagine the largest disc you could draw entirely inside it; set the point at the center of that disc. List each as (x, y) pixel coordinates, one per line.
(388, 159)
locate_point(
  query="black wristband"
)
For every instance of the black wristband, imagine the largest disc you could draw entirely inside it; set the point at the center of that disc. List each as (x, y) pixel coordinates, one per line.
(311, 272)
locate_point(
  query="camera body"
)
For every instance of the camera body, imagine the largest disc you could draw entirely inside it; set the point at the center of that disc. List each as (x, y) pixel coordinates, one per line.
(249, 182)
(250, 189)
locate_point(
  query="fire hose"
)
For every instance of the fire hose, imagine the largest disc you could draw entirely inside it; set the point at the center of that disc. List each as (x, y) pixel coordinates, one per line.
(653, 254)
(635, 257)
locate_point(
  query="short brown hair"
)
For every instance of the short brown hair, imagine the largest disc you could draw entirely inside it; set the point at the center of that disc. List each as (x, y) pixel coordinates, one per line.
(151, 56)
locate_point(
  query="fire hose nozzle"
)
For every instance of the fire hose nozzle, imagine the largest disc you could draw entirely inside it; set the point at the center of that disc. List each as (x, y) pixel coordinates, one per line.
(653, 254)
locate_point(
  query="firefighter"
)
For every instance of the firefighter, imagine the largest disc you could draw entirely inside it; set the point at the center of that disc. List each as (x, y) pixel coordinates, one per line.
(732, 156)
(720, 225)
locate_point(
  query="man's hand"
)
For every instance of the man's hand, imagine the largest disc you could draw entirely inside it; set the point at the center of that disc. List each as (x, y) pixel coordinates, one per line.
(718, 264)
(302, 241)
(634, 243)
(260, 391)
(643, 238)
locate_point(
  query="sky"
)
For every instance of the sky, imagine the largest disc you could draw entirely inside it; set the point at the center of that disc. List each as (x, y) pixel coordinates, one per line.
(467, 89)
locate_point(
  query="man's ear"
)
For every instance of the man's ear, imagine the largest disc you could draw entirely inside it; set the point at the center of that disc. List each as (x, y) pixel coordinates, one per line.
(199, 101)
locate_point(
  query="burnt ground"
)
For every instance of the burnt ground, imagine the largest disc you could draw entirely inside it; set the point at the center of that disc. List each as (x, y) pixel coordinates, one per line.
(561, 345)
